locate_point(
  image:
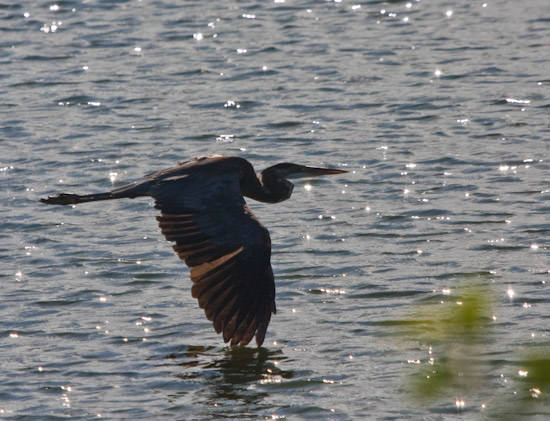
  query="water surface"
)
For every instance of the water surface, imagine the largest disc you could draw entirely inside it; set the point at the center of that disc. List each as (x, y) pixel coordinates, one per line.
(439, 110)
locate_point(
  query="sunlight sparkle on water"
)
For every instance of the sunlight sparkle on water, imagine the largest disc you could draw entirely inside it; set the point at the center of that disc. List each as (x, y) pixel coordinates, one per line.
(517, 101)
(270, 379)
(52, 27)
(510, 293)
(332, 291)
(307, 187)
(449, 13)
(535, 392)
(231, 104)
(225, 138)
(437, 72)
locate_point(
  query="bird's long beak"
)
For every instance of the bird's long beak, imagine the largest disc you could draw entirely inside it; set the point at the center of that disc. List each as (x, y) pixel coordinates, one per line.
(288, 170)
(302, 171)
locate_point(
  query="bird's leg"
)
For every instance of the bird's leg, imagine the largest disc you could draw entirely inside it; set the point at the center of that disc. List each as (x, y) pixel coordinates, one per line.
(73, 199)
(127, 191)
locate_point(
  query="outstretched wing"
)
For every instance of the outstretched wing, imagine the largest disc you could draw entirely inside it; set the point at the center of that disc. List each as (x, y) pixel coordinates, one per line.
(227, 249)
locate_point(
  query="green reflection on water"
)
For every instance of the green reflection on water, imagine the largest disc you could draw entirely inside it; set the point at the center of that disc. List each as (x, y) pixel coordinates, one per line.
(456, 332)
(459, 336)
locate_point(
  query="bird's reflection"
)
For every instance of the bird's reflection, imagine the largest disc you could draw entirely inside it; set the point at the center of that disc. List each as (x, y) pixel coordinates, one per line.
(232, 376)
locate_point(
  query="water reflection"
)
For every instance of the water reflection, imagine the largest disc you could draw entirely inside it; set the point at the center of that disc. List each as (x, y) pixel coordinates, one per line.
(239, 368)
(231, 378)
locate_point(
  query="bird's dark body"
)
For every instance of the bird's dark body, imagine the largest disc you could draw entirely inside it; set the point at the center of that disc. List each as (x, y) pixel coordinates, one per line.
(228, 250)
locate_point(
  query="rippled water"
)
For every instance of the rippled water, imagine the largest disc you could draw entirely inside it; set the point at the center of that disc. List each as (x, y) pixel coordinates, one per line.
(440, 110)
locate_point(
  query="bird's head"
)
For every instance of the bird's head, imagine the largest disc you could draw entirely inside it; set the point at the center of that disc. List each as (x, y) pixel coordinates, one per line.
(276, 178)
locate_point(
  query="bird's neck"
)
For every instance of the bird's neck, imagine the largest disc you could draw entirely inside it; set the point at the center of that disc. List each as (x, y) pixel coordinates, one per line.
(267, 189)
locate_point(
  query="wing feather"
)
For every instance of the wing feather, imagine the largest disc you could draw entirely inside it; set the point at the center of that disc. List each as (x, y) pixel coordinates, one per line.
(226, 248)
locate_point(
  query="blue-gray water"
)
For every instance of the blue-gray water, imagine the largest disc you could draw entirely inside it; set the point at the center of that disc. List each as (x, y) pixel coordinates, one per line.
(439, 110)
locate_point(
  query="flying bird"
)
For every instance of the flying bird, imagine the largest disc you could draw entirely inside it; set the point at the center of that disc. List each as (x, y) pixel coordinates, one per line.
(227, 249)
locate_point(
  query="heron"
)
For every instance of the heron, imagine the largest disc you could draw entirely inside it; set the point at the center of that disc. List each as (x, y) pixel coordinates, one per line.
(227, 249)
